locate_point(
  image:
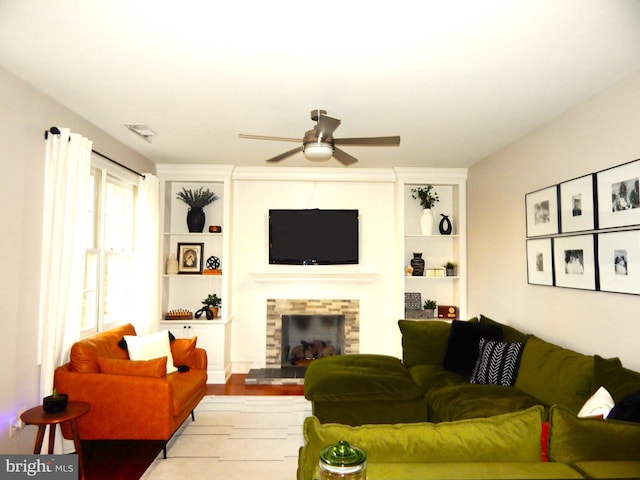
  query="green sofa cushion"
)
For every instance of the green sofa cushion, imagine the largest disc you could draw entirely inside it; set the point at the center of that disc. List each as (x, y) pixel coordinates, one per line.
(465, 400)
(538, 374)
(620, 469)
(359, 377)
(619, 381)
(513, 437)
(432, 376)
(470, 471)
(509, 333)
(573, 439)
(424, 342)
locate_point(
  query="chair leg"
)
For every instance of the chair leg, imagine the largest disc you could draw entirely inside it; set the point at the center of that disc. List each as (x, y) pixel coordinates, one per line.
(193, 416)
(164, 451)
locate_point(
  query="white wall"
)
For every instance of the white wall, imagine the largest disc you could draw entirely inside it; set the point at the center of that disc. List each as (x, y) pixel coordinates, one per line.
(26, 113)
(599, 134)
(372, 281)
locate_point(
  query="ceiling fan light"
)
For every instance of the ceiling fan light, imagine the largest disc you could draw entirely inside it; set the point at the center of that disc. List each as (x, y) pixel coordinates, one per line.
(318, 151)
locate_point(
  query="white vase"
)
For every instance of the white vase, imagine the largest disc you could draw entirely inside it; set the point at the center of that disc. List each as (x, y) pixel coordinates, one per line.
(426, 222)
(172, 264)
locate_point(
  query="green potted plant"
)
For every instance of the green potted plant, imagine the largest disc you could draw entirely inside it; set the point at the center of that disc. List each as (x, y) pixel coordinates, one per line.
(427, 198)
(196, 199)
(56, 402)
(430, 307)
(211, 306)
(451, 268)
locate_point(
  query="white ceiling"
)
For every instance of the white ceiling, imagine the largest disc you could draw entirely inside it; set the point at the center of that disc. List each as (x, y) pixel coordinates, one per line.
(457, 80)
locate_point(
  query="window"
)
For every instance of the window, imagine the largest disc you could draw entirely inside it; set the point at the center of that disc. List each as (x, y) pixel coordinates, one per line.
(109, 255)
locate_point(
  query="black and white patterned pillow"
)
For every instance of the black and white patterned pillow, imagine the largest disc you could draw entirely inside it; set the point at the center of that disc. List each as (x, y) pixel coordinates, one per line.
(497, 363)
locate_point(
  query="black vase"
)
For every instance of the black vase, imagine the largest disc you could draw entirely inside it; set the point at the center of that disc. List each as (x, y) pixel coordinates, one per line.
(195, 219)
(445, 225)
(417, 263)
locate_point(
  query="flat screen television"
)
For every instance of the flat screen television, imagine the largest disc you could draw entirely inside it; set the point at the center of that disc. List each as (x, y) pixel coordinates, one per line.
(313, 237)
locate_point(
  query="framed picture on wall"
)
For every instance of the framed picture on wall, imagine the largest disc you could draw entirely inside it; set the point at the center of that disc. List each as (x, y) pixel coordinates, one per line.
(619, 196)
(577, 212)
(574, 262)
(542, 212)
(619, 261)
(190, 257)
(540, 262)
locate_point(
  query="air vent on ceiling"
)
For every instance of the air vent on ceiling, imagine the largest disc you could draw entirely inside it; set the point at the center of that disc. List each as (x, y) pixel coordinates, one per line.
(141, 130)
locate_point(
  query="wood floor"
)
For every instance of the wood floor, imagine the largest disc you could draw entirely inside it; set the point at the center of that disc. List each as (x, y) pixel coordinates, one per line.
(128, 460)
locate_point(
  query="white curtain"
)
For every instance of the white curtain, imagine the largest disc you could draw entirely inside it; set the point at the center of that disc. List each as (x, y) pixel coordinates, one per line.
(146, 256)
(67, 169)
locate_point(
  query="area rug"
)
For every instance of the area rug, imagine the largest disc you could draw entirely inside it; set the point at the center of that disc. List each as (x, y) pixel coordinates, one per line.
(236, 437)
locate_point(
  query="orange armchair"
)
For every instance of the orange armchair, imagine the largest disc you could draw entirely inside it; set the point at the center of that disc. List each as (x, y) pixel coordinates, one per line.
(136, 400)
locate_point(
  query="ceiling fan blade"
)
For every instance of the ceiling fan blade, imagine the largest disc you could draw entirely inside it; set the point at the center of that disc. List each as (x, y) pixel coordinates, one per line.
(286, 154)
(264, 137)
(326, 126)
(343, 157)
(379, 141)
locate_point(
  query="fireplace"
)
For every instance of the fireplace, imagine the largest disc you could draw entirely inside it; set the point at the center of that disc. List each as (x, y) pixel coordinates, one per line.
(339, 315)
(308, 337)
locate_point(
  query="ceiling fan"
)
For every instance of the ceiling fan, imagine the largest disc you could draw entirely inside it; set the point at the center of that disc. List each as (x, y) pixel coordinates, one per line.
(319, 145)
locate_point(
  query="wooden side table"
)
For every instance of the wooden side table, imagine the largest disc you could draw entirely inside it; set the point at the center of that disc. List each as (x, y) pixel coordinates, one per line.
(37, 416)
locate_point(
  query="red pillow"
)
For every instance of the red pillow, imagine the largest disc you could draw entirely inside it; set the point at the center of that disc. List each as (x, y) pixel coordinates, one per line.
(156, 367)
(545, 441)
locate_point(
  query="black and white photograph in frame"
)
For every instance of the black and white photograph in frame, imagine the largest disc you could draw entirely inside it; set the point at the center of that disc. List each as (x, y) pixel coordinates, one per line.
(574, 262)
(619, 196)
(577, 213)
(542, 212)
(190, 257)
(540, 261)
(619, 261)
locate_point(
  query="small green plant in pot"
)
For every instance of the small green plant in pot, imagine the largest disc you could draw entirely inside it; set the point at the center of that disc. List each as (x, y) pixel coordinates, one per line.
(450, 267)
(56, 402)
(211, 306)
(430, 307)
(426, 196)
(196, 199)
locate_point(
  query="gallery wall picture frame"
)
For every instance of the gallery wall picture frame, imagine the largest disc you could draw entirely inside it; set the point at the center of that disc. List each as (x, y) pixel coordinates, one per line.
(542, 212)
(577, 204)
(618, 196)
(540, 262)
(190, 257)
(619, 261)
(574, 262)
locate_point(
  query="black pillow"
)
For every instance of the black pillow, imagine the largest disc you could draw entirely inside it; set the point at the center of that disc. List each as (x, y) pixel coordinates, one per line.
(627, 409)
(463, 345)
(497, 363)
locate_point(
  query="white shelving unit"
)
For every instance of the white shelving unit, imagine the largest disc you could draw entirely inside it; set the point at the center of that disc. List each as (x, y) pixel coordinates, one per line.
(186, 291)
(436, 249)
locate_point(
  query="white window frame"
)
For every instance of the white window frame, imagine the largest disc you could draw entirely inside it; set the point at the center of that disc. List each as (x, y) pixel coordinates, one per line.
(106, 172)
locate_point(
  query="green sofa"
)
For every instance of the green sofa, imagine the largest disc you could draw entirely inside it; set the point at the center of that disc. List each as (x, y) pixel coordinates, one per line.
(367, 398)
(503, 446)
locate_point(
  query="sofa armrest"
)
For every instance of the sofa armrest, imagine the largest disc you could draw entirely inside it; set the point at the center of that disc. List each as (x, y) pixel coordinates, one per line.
(122, 406)
(200, 361)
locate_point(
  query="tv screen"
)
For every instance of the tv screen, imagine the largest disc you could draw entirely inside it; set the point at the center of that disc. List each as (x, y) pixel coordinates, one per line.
(313, 237)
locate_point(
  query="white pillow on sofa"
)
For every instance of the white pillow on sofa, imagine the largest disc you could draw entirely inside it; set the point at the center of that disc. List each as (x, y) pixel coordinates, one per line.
(148, 347)
(600, 404)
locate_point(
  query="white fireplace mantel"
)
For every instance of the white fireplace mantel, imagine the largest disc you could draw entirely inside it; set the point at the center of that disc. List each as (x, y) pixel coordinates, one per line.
(310, 276)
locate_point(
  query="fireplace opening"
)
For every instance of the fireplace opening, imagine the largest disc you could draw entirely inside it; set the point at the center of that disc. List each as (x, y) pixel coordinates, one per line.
(308, 337)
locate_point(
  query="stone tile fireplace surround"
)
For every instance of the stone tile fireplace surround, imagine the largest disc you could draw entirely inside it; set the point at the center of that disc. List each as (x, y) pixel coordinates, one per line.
(278, 307)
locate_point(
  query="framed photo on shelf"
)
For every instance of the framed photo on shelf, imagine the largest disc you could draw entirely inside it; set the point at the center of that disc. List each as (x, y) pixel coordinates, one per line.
(542, 212)
(190, 257)
(540, 262)
(619, 261)
(619, 196)
(574, 262)
(577, 212)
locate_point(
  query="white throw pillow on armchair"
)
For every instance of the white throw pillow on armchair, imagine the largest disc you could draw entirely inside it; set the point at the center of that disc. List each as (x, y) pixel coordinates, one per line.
(148, 347)
(600, 404)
